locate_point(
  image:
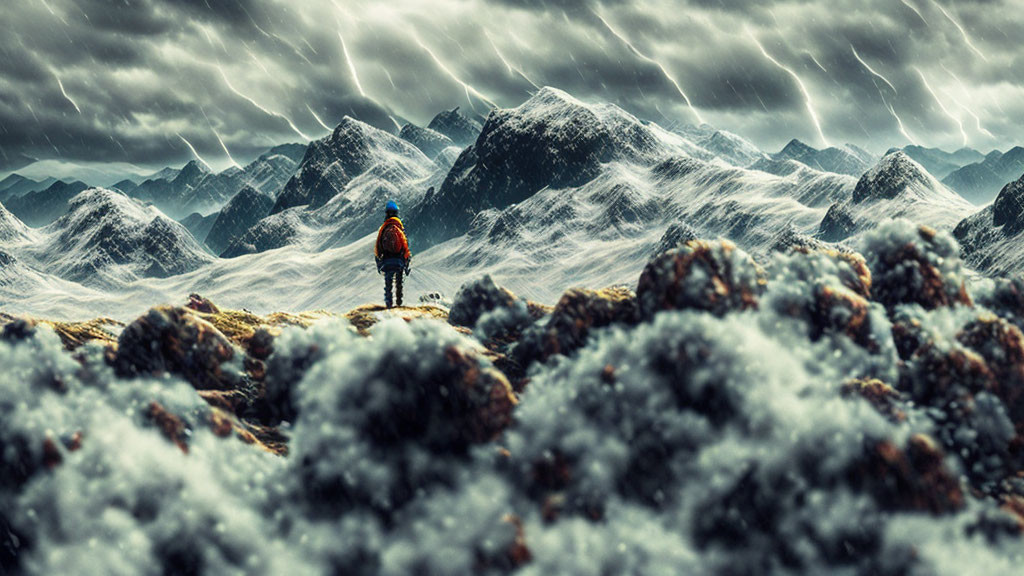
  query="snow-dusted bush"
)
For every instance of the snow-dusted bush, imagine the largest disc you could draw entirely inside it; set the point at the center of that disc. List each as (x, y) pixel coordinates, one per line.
(383, 419)
(476, 298)
(716, 277)
(823, 295)
(913, 264)
(98, 488)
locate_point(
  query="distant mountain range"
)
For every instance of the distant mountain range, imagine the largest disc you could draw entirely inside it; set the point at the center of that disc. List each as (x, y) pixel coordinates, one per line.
(17, 185)
(195, 188)
(556, 188)
(981, 181)
(939, 162)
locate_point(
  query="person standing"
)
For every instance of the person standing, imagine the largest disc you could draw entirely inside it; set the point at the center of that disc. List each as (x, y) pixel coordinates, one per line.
(392, 253)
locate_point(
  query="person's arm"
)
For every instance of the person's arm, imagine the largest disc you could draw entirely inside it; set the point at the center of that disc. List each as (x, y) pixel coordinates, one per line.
(407, 254)
(376, 245)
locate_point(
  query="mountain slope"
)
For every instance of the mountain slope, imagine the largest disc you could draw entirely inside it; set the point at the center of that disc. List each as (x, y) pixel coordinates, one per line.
(340, 189)
(332, 162)
(198, 225)
(240, 213)
(428, 141)
(12, 229)
(981, 181)
(992, 240)
(551, 140)
(456, 126)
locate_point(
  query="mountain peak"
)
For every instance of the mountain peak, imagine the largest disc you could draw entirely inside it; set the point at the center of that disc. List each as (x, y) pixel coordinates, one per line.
(461, 129)
(796, 148)
(891, 176)
(196, 166)
(191, 173)
(430, 142)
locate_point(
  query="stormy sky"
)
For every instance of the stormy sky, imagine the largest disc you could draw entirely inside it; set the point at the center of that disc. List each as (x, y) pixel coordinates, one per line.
(141, 80)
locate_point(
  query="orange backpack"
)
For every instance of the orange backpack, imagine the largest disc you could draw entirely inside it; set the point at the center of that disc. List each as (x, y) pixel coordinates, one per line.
(392, 240)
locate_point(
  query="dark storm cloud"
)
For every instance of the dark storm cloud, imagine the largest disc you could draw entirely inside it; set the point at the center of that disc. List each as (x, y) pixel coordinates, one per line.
(137, 75)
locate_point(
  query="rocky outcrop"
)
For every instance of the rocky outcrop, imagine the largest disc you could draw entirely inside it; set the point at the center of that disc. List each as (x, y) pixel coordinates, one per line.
(456, 126)
(837, 225)
(1008, 208)
(576, 315)
(175, 341)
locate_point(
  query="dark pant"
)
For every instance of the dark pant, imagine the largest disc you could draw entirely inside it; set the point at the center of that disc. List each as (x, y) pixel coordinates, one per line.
(392, 276)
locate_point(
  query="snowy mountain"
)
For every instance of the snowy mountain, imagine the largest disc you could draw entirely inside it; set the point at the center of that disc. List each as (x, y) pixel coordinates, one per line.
(41, 207)
(550, 141)
(198, 225)
(981, 181)
(92, 173)
(333, 162)
(849, 159)
(992, 240)
(553, 193)
(456, 126)
(726, 146)
(896, 187)
(108, 238)
(167, 173)
(341, 185)
(428, 141)
(244, 210)
(940, 163)
(12, 229)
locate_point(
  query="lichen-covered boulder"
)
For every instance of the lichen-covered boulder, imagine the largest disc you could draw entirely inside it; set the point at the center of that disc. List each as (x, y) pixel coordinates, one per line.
(579, 311)
(1001, 344)
(716, 277)
(176, 341)
(380, 419)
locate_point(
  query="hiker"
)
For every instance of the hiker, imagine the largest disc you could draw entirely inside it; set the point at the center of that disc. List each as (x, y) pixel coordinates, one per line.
(392, 253)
